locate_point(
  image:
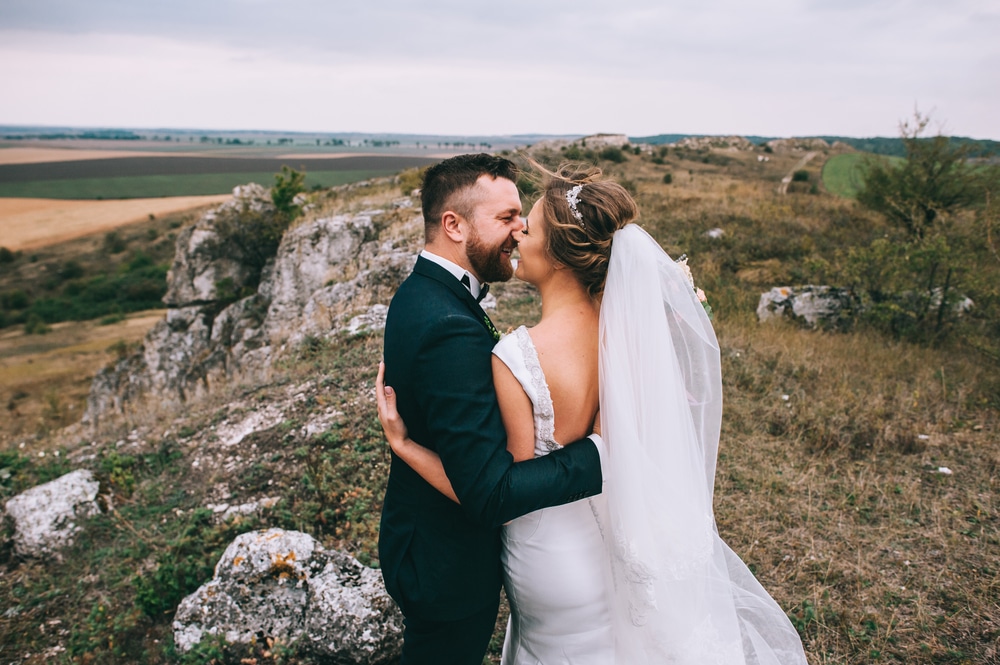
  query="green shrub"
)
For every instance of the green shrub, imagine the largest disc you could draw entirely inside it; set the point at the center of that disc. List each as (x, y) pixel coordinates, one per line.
(411, 179)
(6, 255)
(114, 243)
(668, 178)
(613, 154)
(186, 563)
(255, 233)
(16, 299)
(908, 289)
(35, 325)
(576, 153)
(800, 176)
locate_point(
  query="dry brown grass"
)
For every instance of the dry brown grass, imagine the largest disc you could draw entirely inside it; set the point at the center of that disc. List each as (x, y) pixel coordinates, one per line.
(45, 379)
(33, 223)
(829, 487)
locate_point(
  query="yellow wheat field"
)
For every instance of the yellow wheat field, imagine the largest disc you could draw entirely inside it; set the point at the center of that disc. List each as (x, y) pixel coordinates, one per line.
(32, 223)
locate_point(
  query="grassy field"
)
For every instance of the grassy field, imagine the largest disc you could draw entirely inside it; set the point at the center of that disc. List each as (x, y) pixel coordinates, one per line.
(842, 174)
(44, 379)
(183, 175)
(143, 186)
(829, 482)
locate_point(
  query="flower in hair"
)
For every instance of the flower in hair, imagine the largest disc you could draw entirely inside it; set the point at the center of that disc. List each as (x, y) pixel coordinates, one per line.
(572, 199)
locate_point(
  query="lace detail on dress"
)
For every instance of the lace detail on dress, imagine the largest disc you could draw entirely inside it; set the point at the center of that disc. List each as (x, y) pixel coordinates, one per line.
(545, 422)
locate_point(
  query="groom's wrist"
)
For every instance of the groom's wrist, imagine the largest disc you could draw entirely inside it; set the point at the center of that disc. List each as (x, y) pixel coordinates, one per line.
(602, 452)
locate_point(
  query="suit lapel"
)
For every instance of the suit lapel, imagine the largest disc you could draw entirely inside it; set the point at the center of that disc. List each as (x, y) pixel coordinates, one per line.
(433, 271)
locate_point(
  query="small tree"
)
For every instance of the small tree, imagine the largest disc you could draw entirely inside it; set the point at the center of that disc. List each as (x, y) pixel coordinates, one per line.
(934, 179)
(914, 284)
(287, 185)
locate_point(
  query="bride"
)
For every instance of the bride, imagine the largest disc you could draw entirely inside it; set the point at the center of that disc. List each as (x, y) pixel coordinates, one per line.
(638, 574)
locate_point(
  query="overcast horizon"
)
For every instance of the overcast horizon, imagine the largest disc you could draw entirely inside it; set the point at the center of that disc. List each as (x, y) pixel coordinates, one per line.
(781, 68)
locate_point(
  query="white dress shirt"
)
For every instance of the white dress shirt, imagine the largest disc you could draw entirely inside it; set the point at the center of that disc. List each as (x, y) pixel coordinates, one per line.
(474, 286)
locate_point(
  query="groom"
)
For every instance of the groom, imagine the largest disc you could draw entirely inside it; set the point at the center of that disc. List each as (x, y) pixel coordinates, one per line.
(441, 560)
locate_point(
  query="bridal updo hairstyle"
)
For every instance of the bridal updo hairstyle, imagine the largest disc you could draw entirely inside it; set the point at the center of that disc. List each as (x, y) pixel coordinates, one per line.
(584, 245)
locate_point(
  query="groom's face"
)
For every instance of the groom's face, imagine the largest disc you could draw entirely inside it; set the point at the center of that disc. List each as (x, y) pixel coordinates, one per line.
(493, 228)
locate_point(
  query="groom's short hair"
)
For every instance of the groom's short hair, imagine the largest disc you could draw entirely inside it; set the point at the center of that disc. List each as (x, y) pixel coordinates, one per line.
(446, 186)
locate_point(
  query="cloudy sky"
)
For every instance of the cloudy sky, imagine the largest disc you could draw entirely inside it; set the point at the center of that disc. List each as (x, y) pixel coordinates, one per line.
(460, 67)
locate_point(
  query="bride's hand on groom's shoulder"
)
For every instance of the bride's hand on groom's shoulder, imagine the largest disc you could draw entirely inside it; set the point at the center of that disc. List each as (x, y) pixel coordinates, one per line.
(392, 425)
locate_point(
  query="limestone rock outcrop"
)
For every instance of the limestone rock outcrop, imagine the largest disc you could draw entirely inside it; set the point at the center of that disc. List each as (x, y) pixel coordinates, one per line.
(815, 306)
(200, 265)
(46, 517)
(283, 585)
(330, 274)
(797, 144)
(724, 142)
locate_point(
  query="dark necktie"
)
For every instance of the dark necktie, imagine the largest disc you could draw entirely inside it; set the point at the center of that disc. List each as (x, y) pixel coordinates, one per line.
(483, 289)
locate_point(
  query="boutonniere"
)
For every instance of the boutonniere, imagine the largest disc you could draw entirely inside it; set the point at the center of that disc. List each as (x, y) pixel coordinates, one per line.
(702, 298)
(491, 328)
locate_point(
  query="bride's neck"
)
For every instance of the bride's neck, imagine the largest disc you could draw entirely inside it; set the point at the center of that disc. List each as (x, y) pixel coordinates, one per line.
(562, 295)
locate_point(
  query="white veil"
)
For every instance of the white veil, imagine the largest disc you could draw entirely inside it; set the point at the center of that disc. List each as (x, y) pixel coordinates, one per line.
(681, 595)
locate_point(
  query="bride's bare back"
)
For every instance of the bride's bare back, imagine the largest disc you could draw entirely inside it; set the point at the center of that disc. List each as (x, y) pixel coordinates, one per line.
(566, 343)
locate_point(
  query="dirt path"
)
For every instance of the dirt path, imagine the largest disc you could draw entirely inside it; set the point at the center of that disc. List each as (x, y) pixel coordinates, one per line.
(32, 223)
(787, 180)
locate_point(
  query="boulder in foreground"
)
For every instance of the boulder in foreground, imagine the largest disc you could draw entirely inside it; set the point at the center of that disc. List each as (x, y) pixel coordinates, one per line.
(282, 585)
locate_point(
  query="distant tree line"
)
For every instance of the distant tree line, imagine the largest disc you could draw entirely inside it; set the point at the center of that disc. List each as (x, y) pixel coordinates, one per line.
(878, 145)
(100, 134)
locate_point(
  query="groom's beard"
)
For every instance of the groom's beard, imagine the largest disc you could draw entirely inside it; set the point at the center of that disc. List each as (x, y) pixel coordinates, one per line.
(489, 263)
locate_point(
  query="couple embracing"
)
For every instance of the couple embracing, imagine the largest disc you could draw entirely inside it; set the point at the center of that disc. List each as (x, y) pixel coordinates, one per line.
(572, 462)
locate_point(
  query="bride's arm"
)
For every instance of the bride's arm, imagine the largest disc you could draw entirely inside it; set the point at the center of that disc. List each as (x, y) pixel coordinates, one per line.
(422, 460)
(515, 409)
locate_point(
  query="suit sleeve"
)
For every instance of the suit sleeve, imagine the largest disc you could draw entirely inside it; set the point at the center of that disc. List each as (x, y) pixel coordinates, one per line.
(467, 432)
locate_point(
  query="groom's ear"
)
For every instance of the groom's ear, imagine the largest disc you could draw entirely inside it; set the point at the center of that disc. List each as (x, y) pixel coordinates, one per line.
(453, 227)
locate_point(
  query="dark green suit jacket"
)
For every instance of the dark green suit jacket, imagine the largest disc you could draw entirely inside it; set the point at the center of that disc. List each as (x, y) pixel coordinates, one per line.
(441, 560)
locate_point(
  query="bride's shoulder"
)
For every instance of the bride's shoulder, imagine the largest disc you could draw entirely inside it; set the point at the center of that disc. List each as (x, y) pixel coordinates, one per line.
(511, 345)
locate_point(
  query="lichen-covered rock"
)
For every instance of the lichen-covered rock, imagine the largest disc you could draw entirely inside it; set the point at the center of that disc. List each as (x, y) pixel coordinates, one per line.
(816, 306)
(370, 321)
(46, 517)
(283, 585)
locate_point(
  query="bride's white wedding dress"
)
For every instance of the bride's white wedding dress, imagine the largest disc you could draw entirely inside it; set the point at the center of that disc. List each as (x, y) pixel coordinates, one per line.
(639, 574)
(556, 567)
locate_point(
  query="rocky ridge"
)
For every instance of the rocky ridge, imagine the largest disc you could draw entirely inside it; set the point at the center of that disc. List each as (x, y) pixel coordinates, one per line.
(331, 274)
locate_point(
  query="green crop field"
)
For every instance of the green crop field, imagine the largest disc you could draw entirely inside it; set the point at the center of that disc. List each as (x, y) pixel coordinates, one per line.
(147, 186)
(842, 174)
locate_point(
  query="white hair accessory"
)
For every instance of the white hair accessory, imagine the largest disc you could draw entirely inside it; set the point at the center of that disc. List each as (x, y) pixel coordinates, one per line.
(571, 199)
